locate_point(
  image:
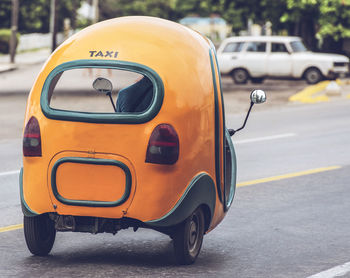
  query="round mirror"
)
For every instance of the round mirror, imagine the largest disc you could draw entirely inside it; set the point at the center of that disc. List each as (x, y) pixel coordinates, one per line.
(258, 96)
(102, 85)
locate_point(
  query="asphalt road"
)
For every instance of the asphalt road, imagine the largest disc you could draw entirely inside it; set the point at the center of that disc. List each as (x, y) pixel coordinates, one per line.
(290, 227)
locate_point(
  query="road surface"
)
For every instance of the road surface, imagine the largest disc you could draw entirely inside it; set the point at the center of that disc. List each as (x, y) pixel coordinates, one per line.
(292, 225)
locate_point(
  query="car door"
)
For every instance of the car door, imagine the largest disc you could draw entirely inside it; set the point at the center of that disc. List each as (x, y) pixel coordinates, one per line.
(229, 55)
(255, 58)
(279, 60)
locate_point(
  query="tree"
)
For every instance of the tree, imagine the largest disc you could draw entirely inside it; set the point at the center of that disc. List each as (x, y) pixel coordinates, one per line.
(302, 17)
(34, 15)
(158, 8)
(334, 24)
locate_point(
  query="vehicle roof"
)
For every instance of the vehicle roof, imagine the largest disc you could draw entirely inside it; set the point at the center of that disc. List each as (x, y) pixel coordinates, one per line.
(177, 54)
(263, 38)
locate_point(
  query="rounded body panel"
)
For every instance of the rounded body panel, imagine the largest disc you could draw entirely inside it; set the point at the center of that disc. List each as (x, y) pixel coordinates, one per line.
(94, 164)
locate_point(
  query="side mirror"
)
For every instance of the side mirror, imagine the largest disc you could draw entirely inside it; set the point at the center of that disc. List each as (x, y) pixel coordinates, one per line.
(103, 85)
(256, 96)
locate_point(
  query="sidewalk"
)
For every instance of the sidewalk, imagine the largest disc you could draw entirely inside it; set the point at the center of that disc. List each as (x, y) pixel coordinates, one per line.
(19, 77)
(24, 58)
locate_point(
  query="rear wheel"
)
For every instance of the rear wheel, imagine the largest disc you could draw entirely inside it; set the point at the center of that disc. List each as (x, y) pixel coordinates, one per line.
(39, 233)
(313, 76)
(188, 238)
(240, 76)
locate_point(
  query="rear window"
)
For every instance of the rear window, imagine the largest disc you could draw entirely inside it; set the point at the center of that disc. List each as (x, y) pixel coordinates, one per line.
(73, 90)
(110, 92)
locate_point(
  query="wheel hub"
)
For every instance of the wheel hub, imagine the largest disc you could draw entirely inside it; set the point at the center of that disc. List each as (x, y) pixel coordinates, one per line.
(193, 234)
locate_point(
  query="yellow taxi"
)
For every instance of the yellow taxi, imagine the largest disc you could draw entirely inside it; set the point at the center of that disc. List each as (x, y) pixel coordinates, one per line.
(125, 127)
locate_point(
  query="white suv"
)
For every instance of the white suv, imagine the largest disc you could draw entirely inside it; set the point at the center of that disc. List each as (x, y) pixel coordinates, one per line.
(279, 57)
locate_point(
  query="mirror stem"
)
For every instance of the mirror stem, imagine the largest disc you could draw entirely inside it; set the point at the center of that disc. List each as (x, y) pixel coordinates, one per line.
(110, 97)
(232, 131)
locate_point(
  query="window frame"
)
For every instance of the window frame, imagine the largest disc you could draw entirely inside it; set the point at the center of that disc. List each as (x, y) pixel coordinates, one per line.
(93, 117)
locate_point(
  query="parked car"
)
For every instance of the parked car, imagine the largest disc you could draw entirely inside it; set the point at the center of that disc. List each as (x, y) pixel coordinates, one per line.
(256, 58)
(160, 157)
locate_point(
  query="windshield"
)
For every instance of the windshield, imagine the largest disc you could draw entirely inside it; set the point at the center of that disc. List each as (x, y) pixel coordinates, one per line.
(298, 46)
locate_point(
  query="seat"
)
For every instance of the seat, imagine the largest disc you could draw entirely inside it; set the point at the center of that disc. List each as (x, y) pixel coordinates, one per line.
(136, 97)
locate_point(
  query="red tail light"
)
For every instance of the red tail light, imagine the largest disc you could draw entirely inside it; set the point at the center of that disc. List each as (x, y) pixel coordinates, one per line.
(163, 146)
(32, 138)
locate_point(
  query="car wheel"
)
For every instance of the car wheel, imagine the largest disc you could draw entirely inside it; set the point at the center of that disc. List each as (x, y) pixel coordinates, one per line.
(240, 76)
(39, 233)
(257, 80)
(188, 238)
(313, 76)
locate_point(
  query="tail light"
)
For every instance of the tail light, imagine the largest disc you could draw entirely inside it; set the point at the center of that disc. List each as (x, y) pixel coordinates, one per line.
(163, 146)
(32, 138)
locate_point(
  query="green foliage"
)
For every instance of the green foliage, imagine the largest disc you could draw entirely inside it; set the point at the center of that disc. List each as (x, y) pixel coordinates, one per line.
(335, 20)
(5, 36)
(5, 12)
(34, 15)
(158, 8)
(325, 19)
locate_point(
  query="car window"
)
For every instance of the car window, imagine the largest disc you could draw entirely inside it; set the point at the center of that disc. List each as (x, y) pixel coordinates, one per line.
(233, 47)
(278, 47)
(73, 90)
(256, 47)
(298, 46)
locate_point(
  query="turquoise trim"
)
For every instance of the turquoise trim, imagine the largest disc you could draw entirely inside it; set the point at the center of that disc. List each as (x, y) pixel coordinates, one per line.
(217, 130)
(27, 211)
(120, 118)
(221, 94)
(220, 89)
(228, 201)
(200, 191)
(87, 203)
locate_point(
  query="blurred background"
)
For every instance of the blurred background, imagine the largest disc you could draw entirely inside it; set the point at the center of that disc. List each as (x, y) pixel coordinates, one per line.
(324, 25)
(31, 30)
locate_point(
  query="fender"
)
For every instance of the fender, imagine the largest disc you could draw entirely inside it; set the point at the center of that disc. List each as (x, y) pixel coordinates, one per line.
(25, 208)
(201, 190)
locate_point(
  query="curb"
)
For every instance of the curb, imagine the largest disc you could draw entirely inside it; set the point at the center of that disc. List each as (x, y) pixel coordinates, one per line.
(7, 67)
(309, 94)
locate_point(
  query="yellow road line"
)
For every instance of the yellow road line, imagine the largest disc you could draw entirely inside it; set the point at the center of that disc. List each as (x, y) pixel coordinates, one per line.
(281, 177)
(11, 228)
(287, 176)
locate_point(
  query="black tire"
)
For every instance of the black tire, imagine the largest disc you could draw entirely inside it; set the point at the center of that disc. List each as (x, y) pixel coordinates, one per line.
(39, 233)
(257, 80)
(188, 238)
(240, 76)
(313, 76)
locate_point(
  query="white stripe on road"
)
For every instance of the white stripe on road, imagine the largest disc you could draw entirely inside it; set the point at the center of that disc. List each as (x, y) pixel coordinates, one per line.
(337, 271)
(273, 137)
(9, 173)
